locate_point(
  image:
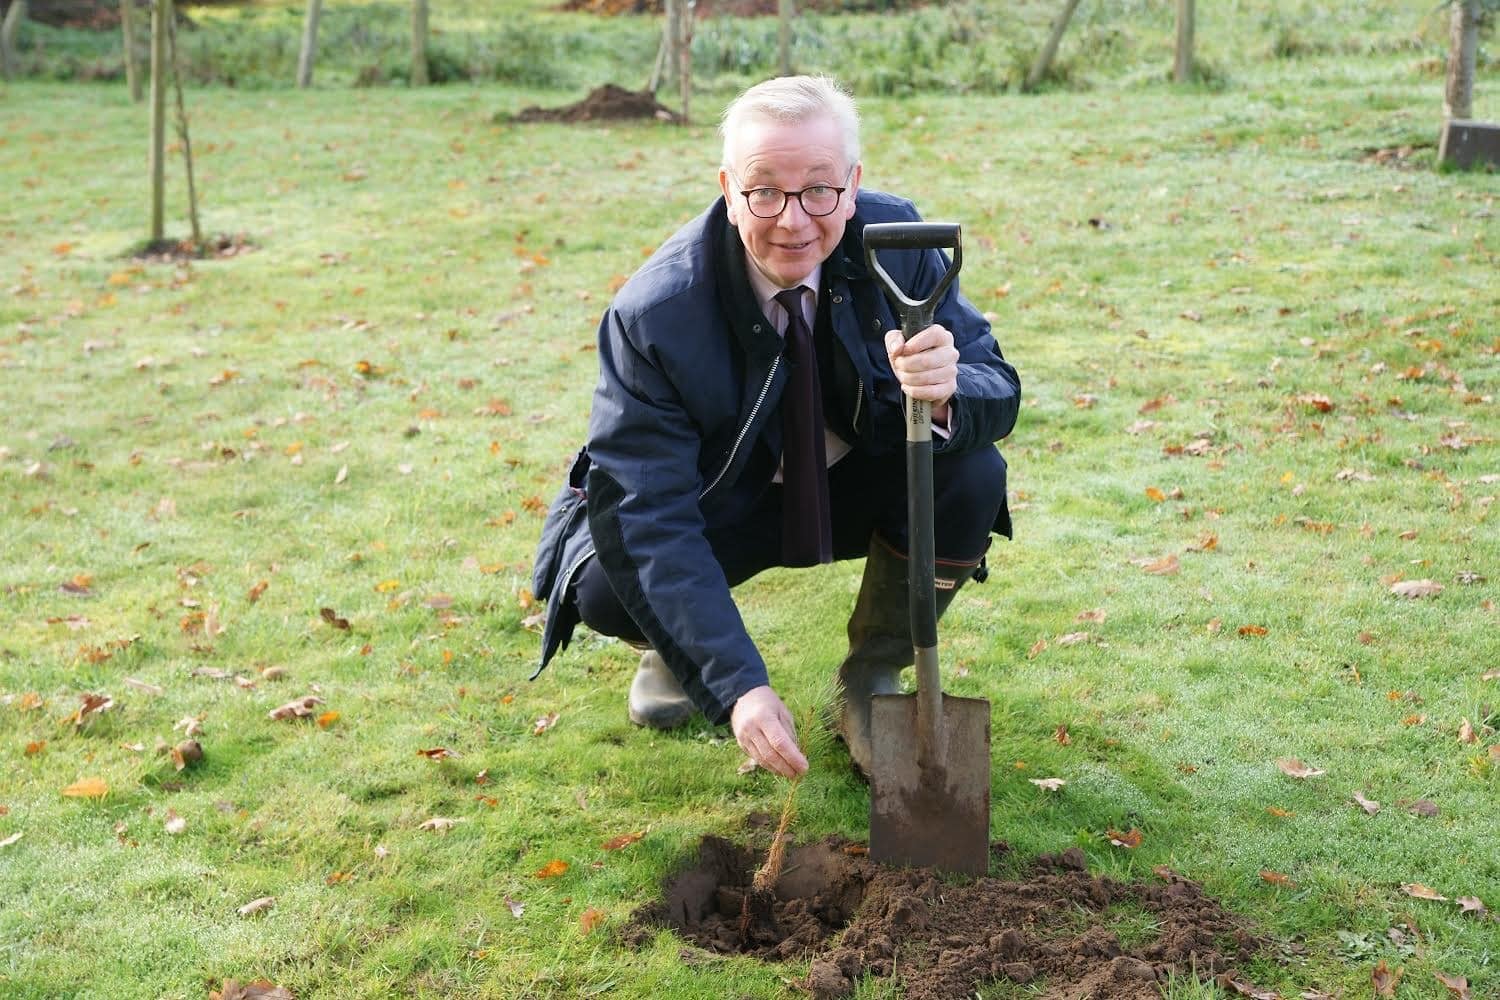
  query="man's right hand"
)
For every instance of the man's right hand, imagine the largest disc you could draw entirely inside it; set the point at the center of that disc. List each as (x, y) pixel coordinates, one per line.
(764, 729)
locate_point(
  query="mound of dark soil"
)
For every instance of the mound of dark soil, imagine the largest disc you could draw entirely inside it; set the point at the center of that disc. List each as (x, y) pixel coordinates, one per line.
(215, 247)
(1060, 927)
(606, 103)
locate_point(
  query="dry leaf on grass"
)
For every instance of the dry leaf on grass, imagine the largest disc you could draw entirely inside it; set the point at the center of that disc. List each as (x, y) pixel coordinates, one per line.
(261, 989)
(441, 824)
(11, 839)
(297, 708)
(516, 907)
(256, 906)
(1232, 982)
(439, 753)
(589, 919)
(1384, 980)
(1457, 985)
(332, 617)
(1370, 806)
(1294, 768)
(91, 706)
(544, 723)
(623, 840)
(1422, 807)
(1416, 588)
(87, 788)
(1165, 566)
(1470, 904)
(552, 869)
(1466, 732)
(143, 686)
(1049, 784)
(1130, 840)
(1419, 891)
(1276, 878)
(175, 824)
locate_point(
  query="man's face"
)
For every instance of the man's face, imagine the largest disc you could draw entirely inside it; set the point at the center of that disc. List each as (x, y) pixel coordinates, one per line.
(791, 157)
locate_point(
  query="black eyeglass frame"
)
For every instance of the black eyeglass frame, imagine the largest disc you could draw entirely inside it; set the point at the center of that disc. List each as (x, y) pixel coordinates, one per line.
(787, 196)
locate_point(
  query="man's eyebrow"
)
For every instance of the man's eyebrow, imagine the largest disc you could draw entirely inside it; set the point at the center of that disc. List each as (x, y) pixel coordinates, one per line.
(758, 172)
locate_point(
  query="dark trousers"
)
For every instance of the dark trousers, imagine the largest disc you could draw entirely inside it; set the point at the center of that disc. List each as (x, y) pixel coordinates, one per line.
(868, 497)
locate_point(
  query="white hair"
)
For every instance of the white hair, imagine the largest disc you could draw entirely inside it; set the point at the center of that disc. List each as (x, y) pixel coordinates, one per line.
(791, 100)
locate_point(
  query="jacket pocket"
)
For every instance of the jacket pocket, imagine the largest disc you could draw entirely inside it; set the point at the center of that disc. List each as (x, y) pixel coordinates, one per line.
(568, 508)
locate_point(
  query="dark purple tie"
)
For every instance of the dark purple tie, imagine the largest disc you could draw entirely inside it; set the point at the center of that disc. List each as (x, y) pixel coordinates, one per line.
(806, 526)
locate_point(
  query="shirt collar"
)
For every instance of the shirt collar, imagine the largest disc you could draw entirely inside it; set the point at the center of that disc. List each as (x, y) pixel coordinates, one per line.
(766, 292)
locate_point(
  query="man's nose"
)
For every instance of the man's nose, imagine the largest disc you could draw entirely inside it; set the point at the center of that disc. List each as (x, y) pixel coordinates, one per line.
(793, 207)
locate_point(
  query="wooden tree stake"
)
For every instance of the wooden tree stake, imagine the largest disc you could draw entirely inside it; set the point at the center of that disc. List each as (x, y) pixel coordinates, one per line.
(1044, 58)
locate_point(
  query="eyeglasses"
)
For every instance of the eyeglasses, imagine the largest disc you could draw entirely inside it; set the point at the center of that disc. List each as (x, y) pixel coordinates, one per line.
(817, 201)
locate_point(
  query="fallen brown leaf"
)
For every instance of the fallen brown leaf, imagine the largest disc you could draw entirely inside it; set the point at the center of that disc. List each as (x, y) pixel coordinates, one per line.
(623, 840)
(1061, 735)
(1422, 807)
(1416, 588)
(441, 824)
(1093, 615)
(331, 617)
(1130, 840)
(257, 590)
(438, 753)
(552, 869)
(1253, 630)
(297, 708)
(257, 905)
(1470, 904)
(516, 907)
(1457, 985)
(1466, 732)
(1165, 566)
(90, 706)
(87, 788)
(1233, 982)
(261, 989)
(1049, 784)
(1276, 878)
(1294, 768)
(1370, 806)
(1036, 648)
(1384, 980)
(1419, 891)
(544, 723)
(11, 839)
(590, 919)
(327, 719)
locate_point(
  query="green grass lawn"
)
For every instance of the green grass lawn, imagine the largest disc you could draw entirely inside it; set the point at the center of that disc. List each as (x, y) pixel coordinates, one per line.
(1241, 344)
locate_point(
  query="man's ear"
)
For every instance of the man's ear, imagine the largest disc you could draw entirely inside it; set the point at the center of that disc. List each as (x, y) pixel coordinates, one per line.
(728, 197)
(859, 172)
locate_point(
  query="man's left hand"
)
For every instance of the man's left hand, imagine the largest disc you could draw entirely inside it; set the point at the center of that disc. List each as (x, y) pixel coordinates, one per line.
(926, 366)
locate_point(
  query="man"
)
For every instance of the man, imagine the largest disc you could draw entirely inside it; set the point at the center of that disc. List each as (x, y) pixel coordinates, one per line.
(748, 414)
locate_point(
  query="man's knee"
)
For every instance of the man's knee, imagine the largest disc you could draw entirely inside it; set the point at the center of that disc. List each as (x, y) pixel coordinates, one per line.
(598, 606)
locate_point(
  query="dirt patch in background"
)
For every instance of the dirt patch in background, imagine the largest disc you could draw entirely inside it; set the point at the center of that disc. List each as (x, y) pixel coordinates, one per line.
(1075, 935)
(606, 103)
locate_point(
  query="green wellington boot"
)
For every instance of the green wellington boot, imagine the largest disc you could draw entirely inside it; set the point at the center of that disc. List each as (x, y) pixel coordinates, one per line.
(656, 698)
(880, 642)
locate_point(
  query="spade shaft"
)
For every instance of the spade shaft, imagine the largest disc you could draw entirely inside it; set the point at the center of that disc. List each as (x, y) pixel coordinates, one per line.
(929, 780)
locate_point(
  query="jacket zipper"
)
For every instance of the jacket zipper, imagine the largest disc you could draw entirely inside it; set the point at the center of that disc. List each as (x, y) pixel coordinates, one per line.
(859, 399)
(745, 429)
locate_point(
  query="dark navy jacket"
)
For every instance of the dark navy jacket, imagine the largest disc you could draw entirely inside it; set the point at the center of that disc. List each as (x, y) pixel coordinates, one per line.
(682, 433)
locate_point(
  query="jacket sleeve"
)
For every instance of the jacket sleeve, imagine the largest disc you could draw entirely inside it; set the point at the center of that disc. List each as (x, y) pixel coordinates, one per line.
(648, 529)
(984, 408)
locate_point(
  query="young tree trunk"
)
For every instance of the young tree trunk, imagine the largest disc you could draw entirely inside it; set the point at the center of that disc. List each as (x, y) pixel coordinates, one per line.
(161, 15)
(419, 43)
(685, 60)
(182, 133)
(1182, 66)
(666, 52)
(786, 12)
(1049, 51)
(9, 65)
(1463, 42)
(132, 65)
(309, 52)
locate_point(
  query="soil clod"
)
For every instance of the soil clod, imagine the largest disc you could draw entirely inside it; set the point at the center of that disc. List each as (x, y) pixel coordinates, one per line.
(606, 103)
(1068, 933)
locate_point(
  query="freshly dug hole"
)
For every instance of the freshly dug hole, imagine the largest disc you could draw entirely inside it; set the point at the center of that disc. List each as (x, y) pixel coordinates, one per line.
(943, 940)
